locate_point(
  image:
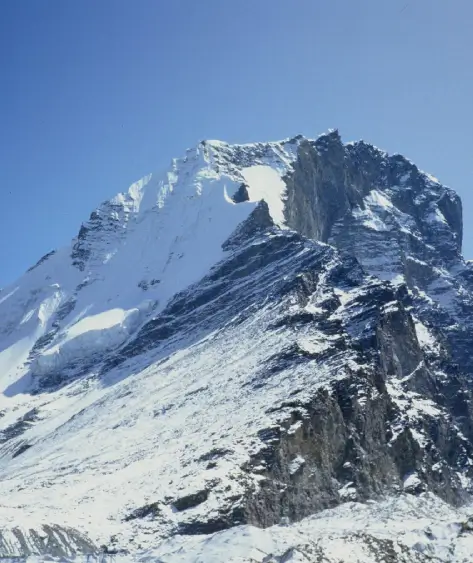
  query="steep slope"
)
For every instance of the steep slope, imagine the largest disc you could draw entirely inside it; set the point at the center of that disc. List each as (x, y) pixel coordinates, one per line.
(264, 332)
(400, 223)
(129, 259)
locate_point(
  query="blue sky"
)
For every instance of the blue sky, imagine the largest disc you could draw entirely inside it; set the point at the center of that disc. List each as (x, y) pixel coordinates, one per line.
(96, 94)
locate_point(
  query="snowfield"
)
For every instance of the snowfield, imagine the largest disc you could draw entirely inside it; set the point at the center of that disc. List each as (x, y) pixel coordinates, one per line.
(407, 528)
(416, 527)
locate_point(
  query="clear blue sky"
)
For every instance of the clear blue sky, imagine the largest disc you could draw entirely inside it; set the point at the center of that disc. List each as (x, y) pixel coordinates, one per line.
(97, 93)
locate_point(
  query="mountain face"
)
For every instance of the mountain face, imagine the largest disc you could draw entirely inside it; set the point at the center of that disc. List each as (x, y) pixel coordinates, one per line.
(272, 335)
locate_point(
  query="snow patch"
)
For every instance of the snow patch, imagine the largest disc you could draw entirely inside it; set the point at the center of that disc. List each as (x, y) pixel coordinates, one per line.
(264, 182)
(424, 336)
(348, 492)
(90, 335)
(413, 525)
(436, 216)
(411, 482)
(297, 463)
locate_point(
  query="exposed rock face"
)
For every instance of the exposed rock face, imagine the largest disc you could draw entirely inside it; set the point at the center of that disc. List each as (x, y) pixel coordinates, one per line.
(318, 193)
(358, 197)
(106, 226)
(303, 368)
(382, 428)
(399, 222)
(56, 541)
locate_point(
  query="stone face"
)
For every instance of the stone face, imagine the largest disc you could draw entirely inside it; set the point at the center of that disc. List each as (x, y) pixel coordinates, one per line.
(348, 447)
(397, 221)
(317, 194)
(327, 194)
(53, 540)
(42, 260)
(352, 440)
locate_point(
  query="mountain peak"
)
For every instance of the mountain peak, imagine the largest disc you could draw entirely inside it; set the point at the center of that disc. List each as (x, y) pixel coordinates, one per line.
(348, 195)
(261, 332)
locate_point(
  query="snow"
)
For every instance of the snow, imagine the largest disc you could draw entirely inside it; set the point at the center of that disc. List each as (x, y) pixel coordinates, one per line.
(354, 531)
(102, 447)
(296, 464)
(294, 427)
(411, 481)
(160, 227)
(436, 216)
(412, 404)
(419, 438)
(370, 219)
(156, 239)
(8, 295)
(314, 345)
(433, 179)
(95, 333)
(348, 492)
(377, 199)
(424, 336)
(379, 214)
(101, 321)
(11, 357)
(265, 183)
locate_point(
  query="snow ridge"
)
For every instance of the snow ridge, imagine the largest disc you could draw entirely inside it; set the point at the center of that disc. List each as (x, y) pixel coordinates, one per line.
(135, 252)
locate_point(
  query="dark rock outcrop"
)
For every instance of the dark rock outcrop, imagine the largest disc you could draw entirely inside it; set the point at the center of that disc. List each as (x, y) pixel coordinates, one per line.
(51, 540)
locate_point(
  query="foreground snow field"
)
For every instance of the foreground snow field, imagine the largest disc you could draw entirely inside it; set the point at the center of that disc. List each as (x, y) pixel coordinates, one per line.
(404, 529)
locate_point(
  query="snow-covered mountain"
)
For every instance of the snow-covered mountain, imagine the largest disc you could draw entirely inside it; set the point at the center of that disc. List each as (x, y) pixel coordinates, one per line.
(261, 333)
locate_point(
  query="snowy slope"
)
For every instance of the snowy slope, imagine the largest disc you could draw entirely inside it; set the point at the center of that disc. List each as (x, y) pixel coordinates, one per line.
(158, 415)
(199, 358)
(401, 530)
(406, 529)
(129, 259)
